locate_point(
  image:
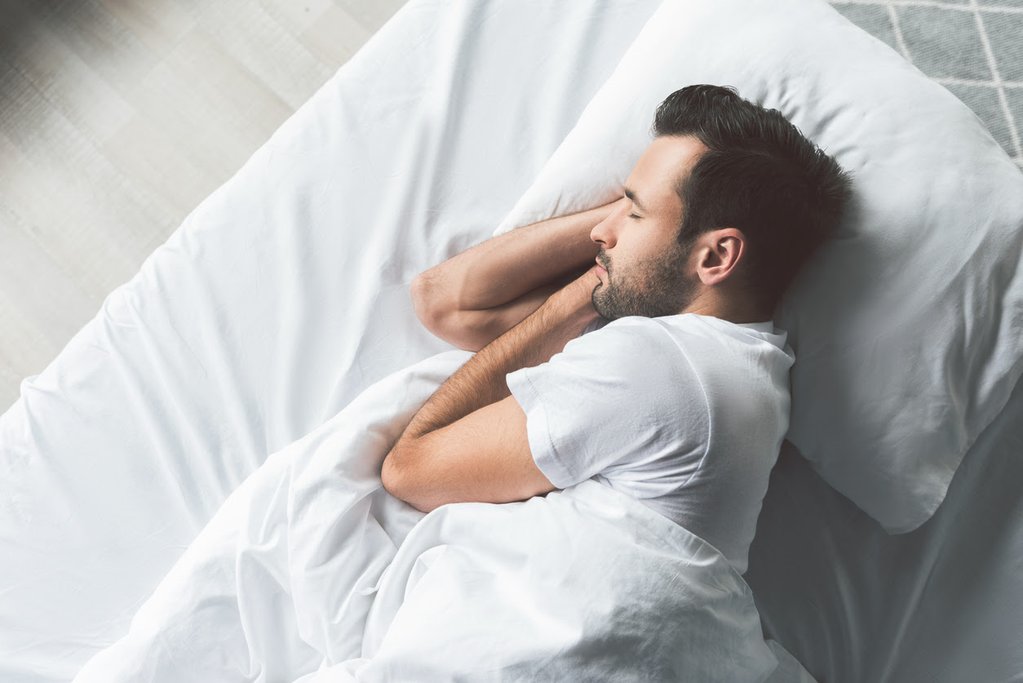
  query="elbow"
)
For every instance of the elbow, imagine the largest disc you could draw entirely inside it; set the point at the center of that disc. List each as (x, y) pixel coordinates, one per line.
(391, 478)
(435, 310)
(424, 300)
(393, 466)
(441, 316)
(392, 469)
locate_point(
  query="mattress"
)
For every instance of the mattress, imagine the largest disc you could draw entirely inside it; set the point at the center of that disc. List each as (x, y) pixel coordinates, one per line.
(284, 295)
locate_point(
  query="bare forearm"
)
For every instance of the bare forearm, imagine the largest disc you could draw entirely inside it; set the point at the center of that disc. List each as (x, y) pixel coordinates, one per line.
(503, 268)
(481, 381)
(479, 294)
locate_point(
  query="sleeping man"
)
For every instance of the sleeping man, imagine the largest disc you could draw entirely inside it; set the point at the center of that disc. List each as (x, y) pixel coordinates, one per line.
(633, 343)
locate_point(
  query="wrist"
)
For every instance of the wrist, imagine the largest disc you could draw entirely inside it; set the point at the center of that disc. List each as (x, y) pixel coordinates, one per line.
(573, 303)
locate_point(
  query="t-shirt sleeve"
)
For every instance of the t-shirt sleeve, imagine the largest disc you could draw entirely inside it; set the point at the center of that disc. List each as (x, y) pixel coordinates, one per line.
(619, 398)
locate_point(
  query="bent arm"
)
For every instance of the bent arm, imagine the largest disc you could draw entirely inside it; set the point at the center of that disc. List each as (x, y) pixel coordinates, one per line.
(477, 295)
(469, 442)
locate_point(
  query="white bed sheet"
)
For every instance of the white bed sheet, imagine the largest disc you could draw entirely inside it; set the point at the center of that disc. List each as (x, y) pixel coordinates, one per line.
(311, 571)
(280, 298)
(284, 294)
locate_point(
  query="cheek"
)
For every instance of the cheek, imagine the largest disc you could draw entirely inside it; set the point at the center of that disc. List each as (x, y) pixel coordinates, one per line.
(638, 246)
(646, 249)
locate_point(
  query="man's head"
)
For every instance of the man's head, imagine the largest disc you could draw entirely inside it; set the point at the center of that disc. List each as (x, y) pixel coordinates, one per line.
(721, 211)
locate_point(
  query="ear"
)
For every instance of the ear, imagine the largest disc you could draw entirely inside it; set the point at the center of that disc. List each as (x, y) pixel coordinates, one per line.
(719, 251)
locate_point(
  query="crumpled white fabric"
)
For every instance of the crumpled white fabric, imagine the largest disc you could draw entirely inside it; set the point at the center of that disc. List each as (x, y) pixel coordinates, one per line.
(311, 572)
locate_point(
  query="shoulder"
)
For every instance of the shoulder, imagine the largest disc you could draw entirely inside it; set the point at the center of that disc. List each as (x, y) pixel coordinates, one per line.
(621, 337)
(758, 343)
(633, 351)
(621, 329)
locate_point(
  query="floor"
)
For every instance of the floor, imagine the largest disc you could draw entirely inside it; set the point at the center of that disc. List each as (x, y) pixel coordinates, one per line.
(117, 118)
(974, 48)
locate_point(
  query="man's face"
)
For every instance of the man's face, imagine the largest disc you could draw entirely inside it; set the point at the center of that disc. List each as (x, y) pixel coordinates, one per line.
(648, 272)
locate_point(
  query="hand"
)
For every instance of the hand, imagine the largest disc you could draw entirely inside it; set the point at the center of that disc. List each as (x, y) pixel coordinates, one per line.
(587, 282)
(577, 296)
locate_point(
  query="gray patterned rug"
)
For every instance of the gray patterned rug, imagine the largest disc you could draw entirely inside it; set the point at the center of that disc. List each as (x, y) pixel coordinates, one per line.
(974, 48)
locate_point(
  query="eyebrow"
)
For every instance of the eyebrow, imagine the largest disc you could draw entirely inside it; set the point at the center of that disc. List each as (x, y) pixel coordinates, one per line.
(635, 200)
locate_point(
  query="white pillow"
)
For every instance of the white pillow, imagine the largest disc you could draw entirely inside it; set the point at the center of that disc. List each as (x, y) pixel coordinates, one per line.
(908, 326)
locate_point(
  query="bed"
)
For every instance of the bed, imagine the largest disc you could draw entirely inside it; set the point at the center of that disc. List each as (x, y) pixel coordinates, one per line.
(194, 417)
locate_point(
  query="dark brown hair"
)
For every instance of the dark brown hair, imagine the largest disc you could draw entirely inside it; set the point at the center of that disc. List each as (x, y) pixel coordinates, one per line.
(760, 175)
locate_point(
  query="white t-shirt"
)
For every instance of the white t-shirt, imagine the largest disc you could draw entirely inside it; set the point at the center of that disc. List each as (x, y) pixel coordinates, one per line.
(685, 413)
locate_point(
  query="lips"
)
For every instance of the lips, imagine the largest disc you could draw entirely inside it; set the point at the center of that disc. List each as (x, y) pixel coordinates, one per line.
(600, 267)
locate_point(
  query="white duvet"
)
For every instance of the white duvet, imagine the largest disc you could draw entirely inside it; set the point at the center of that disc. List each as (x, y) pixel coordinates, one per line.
(310, 571)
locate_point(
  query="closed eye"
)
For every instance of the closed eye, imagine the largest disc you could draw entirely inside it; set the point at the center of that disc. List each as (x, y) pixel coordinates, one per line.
(632, 215)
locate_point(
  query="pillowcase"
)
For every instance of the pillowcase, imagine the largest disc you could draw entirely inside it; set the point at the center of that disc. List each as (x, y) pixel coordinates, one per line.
(907, 325)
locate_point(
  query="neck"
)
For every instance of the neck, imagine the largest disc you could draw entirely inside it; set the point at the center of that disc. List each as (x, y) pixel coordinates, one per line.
(732, 309)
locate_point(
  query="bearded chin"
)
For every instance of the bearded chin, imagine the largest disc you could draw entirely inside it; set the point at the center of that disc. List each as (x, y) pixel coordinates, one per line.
(660, 298)
(604, 302)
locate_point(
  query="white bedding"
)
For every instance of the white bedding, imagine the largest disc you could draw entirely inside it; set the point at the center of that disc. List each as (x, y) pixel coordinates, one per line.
(941, 603)
(281, 297)
(311, 571)
(285, 294)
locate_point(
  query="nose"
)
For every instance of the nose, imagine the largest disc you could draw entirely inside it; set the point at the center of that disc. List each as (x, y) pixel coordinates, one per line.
(603, 232)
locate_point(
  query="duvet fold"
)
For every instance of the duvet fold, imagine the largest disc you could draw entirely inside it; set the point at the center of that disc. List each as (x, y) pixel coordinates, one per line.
(311, 573)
